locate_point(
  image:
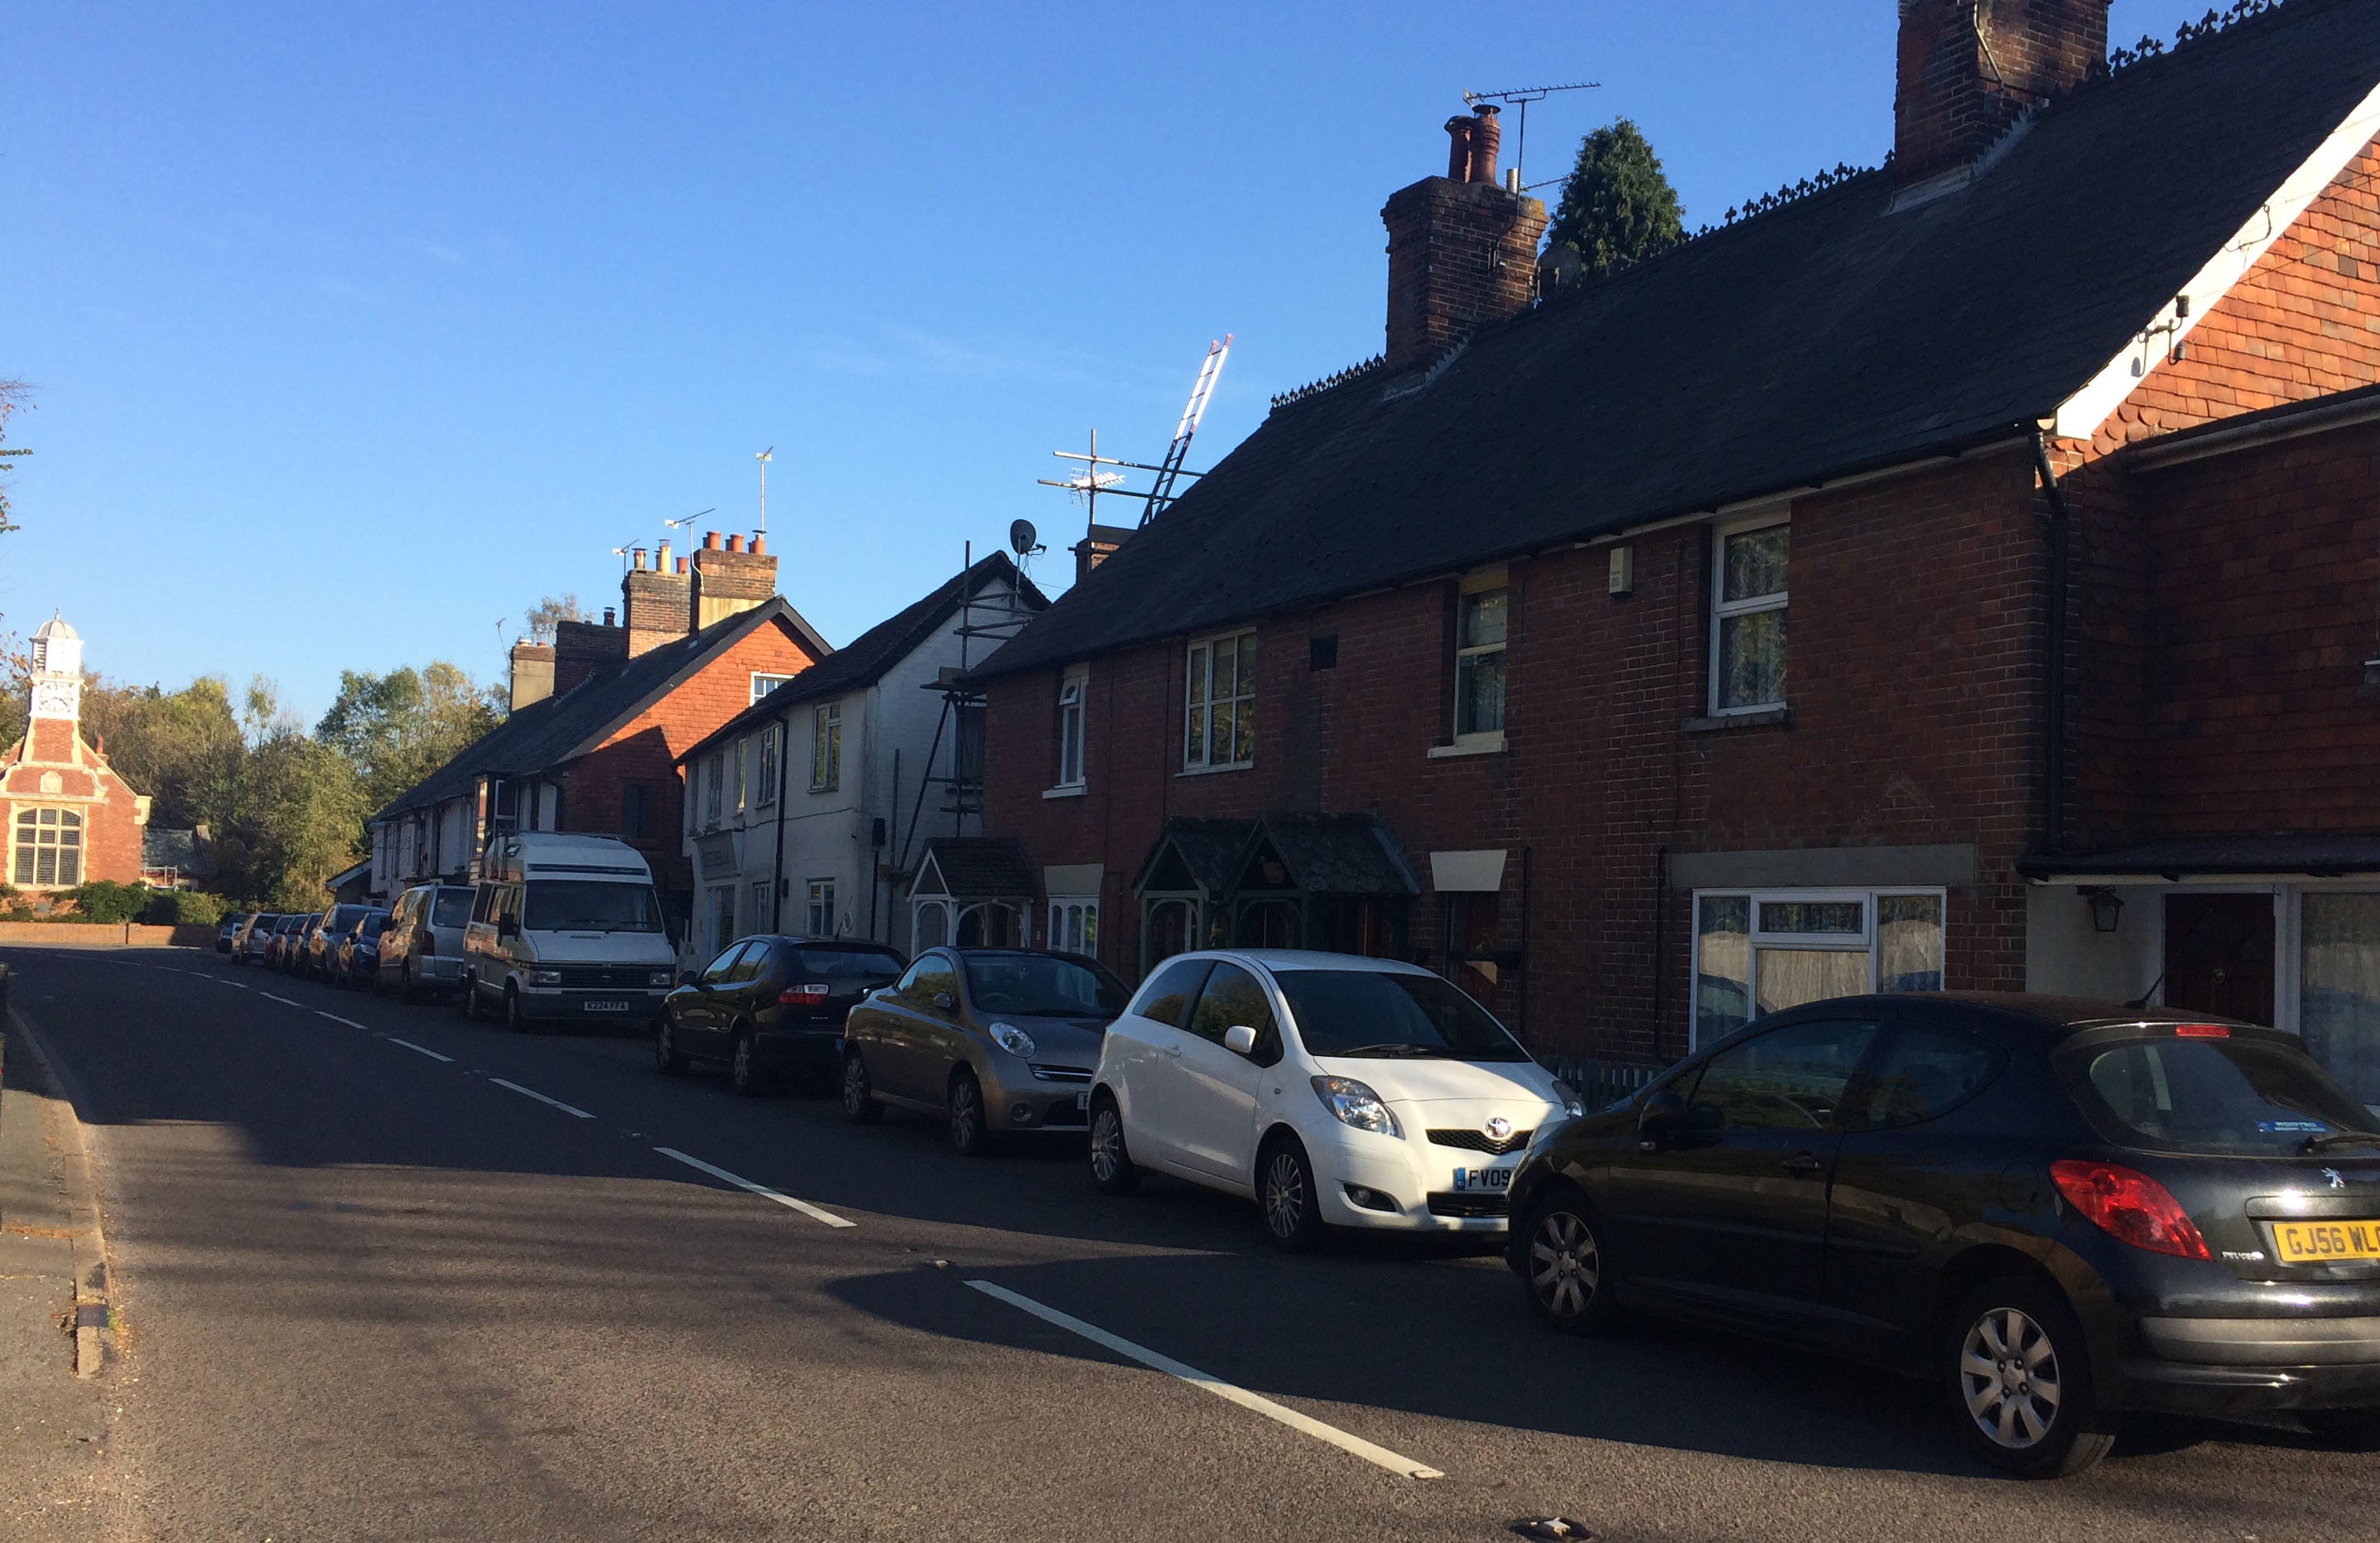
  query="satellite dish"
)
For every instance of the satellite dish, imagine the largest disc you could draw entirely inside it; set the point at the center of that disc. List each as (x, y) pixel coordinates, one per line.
(1022, 536)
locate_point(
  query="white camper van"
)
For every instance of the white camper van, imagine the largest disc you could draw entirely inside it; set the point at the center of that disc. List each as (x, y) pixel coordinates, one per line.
(566, 929)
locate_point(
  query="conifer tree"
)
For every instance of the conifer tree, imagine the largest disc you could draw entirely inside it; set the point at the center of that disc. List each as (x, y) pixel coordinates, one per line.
(1617, 206)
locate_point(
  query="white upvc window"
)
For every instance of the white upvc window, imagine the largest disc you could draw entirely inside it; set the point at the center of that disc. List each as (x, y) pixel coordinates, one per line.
(826, 747)
(763, 909)
(1480, 630)
(1219, 703)
(763, 685)
(1748, 616)
(1758, 952)
(714, 773)
(741, 751)
(766, 775)
(820, 922)
(1074, 924)
(1070, 691)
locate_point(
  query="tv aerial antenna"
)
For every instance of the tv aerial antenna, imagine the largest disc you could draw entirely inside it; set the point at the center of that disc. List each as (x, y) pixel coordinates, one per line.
(625, 548)
(764, 458)
(1090, 482)
(1520, 97)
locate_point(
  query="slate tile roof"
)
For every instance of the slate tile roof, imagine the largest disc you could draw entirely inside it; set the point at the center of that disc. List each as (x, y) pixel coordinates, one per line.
(878, 650)
(983, 868)
(545, 736)
(1825, 337)
(1339, 854)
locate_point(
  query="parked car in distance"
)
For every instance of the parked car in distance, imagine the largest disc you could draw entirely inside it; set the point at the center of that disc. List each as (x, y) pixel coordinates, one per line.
(422, 948)
(356, 966)
(566, 929)
(988, 1040)
(2053, 1210)
(247, 945)
(288, 933)
(230, 930)
(324, 940)
(1332, 1090)
(770, 1007)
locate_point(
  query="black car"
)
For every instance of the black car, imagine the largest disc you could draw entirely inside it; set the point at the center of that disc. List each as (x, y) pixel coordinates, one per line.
(320, 957)
(2056, 1210)
(771, 1007)
(356, 961)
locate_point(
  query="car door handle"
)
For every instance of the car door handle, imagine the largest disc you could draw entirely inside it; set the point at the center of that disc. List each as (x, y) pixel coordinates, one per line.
(1802, 1162)
(1174, 1050)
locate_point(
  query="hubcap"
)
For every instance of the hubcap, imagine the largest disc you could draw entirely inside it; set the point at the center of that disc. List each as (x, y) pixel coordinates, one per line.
(1107, 1137)
(1565, 1267)
(2007, 1373)
(963, 1113)
(1284, 1195)
(743, 1061)
(855, 1084)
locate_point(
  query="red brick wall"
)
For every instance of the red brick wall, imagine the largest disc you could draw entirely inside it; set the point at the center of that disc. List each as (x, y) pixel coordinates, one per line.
(1915, 713)
(646, 749)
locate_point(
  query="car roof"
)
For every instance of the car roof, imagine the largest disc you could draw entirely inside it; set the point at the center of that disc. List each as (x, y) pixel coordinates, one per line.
(1281, 959)
(2052, 1018)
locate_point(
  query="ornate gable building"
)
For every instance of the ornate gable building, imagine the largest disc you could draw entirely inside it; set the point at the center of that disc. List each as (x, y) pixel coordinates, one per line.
(70, 818)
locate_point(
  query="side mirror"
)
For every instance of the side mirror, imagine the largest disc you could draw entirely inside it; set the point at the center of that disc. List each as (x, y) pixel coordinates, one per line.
(1240, 1039)
(944, 1002)
(1663, 1116)
(687, 978)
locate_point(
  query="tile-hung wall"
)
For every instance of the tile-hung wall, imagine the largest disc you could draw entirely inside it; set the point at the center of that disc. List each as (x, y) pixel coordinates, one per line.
(1761, 951)
(2303, 956)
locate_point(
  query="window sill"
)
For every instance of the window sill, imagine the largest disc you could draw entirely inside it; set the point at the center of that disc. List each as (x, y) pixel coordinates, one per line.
(825, 787)
(1069, 790)
(1469, 745)
(1213, 771)
(1778, 717)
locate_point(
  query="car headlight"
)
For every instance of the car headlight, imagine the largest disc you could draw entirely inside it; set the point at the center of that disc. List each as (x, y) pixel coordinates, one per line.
(1013, 1039)
(1352, 1103)
(658, 978)
(545, 978)
(1568, 1097)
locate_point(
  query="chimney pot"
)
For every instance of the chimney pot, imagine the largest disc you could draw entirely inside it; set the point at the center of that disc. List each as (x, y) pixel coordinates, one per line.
(1486, 136)
(640, 559)
(607, 616)
(759, 543)
(661, 562)
(681, 564)
(1457, 149)
(711, 540)
(734, 540)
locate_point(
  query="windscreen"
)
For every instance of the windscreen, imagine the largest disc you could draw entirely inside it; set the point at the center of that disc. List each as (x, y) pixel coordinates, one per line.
(588, 906)
(2238, 1095)
(452, 908)
(374, 925)
(828, 964)
(1042, 985)
(1374, 1013)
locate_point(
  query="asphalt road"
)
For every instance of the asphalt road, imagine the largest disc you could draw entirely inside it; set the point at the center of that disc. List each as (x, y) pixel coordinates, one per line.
(370, 1290)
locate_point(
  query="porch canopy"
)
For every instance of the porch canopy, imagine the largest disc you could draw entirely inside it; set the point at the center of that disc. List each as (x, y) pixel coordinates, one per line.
(972, 891)
(1283, 881)
(2212, 859)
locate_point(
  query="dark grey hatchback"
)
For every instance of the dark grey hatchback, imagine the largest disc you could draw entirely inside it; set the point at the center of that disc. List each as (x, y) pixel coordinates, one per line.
(2056, 1210)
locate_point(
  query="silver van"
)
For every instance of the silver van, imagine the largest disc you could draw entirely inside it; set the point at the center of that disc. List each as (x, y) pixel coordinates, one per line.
(421, 951)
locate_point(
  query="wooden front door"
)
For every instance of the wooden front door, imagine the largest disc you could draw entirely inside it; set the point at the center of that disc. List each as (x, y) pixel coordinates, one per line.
(2218, 955)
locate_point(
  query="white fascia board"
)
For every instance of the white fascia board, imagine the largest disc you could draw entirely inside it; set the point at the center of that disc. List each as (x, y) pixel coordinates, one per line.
(2080, 416)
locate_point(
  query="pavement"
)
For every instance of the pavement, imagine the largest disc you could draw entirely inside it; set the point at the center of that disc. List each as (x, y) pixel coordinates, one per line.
(380, 1272)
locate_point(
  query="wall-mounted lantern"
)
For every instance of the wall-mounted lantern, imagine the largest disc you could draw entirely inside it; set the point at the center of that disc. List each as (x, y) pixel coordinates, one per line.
(2106, 908)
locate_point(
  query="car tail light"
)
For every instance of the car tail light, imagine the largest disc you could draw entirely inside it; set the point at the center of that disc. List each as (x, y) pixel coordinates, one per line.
(803, 996)
(429, 941)
(2201, 1031)
(2128, 1206)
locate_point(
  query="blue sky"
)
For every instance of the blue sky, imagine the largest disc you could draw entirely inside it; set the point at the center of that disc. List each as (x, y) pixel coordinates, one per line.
(355, 329)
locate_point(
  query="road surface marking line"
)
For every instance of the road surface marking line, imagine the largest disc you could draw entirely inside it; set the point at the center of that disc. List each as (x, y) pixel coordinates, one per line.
(1215, 1385)
(533, 1093)
(814, 1212)
(283, 1000)
(417, 1050)
(233, 984)
(336, 1019)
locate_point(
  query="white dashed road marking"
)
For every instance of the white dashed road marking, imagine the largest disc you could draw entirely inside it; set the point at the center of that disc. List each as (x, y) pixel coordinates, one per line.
(1215, 1385)
(283, 1000)
(417, 1050)
(763, 1190)
(533, 1093)
(336, 1019)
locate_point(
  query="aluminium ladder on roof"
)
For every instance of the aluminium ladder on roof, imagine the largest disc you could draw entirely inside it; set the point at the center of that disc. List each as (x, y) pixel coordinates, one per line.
(1160, 493)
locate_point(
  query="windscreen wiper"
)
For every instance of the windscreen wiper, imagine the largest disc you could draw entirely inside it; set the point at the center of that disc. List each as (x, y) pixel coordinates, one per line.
(1391, 1052)
(2332, 1140)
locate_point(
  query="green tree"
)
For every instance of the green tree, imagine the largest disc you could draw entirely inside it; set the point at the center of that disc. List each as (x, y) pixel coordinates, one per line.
(396, 729)
(183, 748)
(552, 609)
(294, 810)
(1617, 206)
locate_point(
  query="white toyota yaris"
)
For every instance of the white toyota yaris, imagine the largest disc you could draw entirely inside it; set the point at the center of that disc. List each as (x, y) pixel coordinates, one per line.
(1332, 1090)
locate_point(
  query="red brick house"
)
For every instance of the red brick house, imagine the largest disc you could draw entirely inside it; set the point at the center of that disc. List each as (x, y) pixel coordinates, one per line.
(2046, 436)
(600, 717)
(70, 819)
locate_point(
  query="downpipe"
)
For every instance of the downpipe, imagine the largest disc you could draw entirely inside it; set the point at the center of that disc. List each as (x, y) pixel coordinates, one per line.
(2054, 654)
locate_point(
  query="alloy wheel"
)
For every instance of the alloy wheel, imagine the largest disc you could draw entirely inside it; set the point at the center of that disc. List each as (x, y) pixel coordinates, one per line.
(966, 1115)
(2009, 1376)
(1565, 1266)
(1107, 1144)
(1284, 1193)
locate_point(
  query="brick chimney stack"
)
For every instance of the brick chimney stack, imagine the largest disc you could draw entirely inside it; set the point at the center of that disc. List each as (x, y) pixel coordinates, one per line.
(730, 579)
(532, 677)
(1463, 251)
(1968, 69)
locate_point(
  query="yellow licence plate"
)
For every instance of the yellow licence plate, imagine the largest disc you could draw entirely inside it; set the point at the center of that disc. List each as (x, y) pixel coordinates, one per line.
(2318, 1241)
